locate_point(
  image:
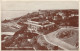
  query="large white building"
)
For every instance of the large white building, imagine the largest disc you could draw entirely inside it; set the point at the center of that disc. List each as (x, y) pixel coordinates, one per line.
(39, 25)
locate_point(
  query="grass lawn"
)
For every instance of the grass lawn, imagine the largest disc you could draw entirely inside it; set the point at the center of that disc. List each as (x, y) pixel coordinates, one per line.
(69, 35)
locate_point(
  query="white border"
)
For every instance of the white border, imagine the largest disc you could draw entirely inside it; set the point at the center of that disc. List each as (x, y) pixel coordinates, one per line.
(36, 0)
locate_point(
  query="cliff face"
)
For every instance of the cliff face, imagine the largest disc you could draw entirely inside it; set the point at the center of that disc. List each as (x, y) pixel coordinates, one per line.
(22, 38)
(19, 39)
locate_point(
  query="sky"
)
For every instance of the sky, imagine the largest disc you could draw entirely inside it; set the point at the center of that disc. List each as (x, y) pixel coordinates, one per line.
(13, 9)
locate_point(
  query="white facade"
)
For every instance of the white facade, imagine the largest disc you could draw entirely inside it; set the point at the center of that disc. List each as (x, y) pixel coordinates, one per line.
(37, 27)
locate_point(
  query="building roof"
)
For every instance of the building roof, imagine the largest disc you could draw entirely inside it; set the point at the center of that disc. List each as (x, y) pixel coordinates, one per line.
(38, 19)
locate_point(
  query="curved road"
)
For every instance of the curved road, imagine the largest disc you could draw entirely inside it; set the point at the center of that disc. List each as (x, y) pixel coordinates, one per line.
(55, 41)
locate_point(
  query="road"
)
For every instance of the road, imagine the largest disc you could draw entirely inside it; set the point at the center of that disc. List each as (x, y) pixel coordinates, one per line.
(51, 38)
(7, 33)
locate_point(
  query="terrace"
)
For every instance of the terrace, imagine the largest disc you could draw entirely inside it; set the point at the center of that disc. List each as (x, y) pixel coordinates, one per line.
(41, 21)
(37, 19)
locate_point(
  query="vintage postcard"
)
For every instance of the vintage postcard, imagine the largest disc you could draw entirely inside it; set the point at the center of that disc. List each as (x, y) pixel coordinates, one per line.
(40, 25)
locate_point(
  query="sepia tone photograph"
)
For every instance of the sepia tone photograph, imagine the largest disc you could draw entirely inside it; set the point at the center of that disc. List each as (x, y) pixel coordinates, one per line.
(40, 25)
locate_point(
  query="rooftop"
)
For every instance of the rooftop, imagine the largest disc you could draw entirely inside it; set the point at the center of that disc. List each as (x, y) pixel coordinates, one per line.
(40, 21)
(37, 19)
